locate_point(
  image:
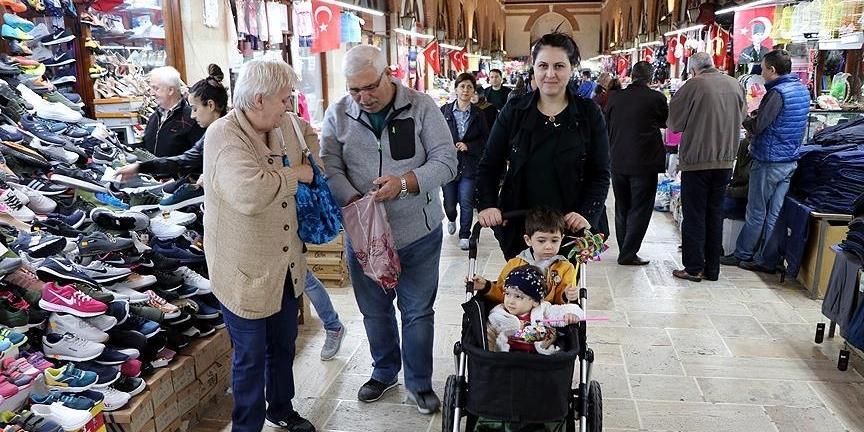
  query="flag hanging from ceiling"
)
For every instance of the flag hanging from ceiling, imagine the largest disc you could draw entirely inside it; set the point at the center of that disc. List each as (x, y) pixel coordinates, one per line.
(432, 53)
(455, 60)
(326, 29)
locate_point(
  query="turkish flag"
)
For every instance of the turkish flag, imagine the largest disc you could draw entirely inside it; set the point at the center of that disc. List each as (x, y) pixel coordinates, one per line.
(326, 19)
(455, 60)
(432, 53)
(463, 56)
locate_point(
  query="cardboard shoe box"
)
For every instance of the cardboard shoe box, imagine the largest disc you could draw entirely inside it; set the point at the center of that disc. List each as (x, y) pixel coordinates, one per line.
(205, 351)
(161, 386)
(166, 413)
(218, 372)
(137, 416)
(189, 397)
(182, 371)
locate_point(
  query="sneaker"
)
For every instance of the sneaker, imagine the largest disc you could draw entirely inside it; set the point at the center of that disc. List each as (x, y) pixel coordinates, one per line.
(38, 202)
(70, 379)
(75, 177)
(120, 220)
(37, 359)
(59, 36)
(119, 310)
(193, 279)
(463, 244)
(165, 230)
(16, 21)
(69, 400)
(67, 299)
(184, 292)
(99, 243)
(128, 294)
(145, 200)
(16, 207)
(144, 326)
(185, 195)
(103, 274)
(427, 401)
(10, 133)
(332, 343)
(176, 217)
(102, 322)
(451, 228)
(142, 310)
(105, 154)
(14, 338)
(62, 59)
(56, 268)
(171, 250)
(114, 399)
(65, 323)
(293, 422)
(69, 419)
(107, 375)
(168, 310)
(130, 384)
(374, 390)
(24, 154)
(34, 423)
(47, 188)
(70, 347)
(18, 48)
(16, 33)
(38, 245)
(96, 292)
(54, 152)
(29, 284)
(135, 281)
(112, 357)
(97, 71)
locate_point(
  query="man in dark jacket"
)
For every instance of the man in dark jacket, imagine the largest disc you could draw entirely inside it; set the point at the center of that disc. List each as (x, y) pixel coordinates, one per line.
(778, 130)
(497, 94)
(635, 116)
(170, 130)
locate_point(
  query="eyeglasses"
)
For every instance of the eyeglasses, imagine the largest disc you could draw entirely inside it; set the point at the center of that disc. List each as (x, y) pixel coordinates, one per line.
(368, 88)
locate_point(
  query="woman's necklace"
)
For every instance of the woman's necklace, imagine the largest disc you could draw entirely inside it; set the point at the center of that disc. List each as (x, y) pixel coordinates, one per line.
(550, 119)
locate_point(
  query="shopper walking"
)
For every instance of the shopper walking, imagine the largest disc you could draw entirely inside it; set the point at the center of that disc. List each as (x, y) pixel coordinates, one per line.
(777, 130)
(635, 116)
(209, 101)
(393, 141)
(601, 93)
(496, 93)
(252, 166)
(550, 147)
(171, 129)
(586, 85)
(469, 131)
(708, 109)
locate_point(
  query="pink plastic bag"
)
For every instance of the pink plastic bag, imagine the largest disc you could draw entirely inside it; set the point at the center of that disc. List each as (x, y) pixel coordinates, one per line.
(366, 224)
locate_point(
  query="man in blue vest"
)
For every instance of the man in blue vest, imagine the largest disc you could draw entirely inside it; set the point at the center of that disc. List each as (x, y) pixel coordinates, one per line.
(777, 130)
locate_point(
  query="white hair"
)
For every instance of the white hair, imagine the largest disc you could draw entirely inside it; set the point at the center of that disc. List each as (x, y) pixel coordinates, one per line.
(700, 61)
(167, 76)
(262, 77)
(362, 57)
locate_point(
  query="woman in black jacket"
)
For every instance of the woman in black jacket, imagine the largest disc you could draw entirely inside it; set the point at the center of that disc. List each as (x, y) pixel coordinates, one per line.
(469, 130)
(550, 147)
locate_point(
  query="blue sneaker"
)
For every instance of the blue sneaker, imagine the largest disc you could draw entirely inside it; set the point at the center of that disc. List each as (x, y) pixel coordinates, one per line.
(106, 374)
(112, 357)
(30, 124)
(16, 21)
(187, 194)
(15, 33)
(171, 250)
(111, 200)
(141, 325)
(5, 344)
(10, 133)
(68, 400)
(70, 379)
(74, 219)
(206, 311)
(15, 338)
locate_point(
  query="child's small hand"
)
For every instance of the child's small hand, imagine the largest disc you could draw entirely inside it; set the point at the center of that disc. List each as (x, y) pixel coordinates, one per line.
(479, 283)
(551, 337)
(571, 318)
(572, 293)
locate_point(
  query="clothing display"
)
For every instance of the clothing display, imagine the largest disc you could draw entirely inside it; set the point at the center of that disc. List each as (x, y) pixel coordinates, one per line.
(277, 21)
(830, 178)
(842, 299)
(302, 11)
(350, 26)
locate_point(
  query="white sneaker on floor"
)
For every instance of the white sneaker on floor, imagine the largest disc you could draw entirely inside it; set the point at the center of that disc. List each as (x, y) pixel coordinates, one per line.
(451, 228)
(332, 343)
(463, 244)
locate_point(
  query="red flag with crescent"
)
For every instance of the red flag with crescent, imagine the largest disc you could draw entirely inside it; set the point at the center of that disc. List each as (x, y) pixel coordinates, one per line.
(432, 53)
(326, 19)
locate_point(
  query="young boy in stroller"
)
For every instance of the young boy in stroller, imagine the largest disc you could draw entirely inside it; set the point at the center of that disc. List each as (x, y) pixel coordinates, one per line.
(522, 322)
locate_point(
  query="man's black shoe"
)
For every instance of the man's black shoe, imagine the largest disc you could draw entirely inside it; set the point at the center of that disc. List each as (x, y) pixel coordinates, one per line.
(374, 390)
(293, 423)
(730, 260)
(635, 262)
(752, 266)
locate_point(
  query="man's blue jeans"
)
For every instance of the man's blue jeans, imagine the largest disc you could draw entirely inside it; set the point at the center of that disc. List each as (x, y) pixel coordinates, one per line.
(460, 192)
(263, 360)
(320, 300)
(415, 296)
(769, 182)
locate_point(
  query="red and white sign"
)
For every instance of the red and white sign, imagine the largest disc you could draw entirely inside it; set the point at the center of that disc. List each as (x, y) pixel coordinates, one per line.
(326, 29)
(432, 54)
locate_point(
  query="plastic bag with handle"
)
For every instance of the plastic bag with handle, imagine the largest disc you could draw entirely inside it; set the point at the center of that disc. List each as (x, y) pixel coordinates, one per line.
(365, 223)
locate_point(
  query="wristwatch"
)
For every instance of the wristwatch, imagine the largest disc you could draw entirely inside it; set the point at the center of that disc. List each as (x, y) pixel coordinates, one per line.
(403, 193)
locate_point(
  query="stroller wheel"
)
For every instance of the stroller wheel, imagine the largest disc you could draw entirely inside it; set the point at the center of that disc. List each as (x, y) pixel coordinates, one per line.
(594, 416)
(448, 408)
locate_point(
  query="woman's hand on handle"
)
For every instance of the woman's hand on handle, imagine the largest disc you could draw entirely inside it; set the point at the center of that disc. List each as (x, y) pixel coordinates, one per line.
(490, 217)
(575, 221)
(304, 173)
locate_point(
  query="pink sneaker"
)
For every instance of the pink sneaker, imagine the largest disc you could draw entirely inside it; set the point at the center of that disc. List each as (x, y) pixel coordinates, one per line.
(37, 359)
(69, 300)
(7, 389)
(20, 365)
(132, 368)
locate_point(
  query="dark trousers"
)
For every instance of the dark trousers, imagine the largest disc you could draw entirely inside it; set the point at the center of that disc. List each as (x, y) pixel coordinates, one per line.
(702, 228)
(460, 192)
(634, 204)
(263, 360)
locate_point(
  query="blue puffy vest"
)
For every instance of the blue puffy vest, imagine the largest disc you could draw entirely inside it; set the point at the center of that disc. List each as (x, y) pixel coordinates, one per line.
(781, 142)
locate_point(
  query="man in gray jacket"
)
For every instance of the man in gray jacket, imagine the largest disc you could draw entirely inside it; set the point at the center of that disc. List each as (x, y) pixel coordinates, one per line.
(393, 142)
(709, 109)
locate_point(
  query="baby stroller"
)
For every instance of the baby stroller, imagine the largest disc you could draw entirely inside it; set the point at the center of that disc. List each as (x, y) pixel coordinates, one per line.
(516, 387)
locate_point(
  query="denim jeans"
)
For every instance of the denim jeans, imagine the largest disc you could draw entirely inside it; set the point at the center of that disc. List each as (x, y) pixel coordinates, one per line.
(320, 300)
(415, 296)
(460, 192)
(702, 228)
(263, 360)
(769, 182)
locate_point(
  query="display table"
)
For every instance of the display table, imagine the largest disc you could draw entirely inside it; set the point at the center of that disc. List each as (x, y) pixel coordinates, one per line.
(826, 230)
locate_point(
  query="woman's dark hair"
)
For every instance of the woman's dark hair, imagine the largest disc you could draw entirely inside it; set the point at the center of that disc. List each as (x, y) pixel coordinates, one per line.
(465, 76)
(558, 40)
(211, 89)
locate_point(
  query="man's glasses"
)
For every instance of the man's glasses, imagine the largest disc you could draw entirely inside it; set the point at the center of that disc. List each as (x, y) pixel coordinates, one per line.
(368, 88)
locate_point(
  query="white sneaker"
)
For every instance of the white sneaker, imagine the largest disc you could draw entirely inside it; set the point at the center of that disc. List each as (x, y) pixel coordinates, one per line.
(102, 322)
(53, 151)
(49, 110)
(65, 323)
(128, 294)
(69, 419)
(451, 228)
(70, 347)
(176, 217)
(16, 207)
(114, 399)
(37, 202)
(463, 244)
(193, 279)
(164, 230)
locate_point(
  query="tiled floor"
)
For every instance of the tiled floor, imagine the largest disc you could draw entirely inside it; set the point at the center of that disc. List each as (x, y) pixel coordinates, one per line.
(733, 355)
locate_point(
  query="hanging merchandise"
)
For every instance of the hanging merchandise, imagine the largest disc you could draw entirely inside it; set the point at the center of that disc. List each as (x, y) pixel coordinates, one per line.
(351, 31)
(326, 30)
(840, 86)
(277, 21)
(671, 46)
(661, 65)
(681, 48)
(718, 45)
(211, 13)
(851, 16)
(648, 55)
(622, 66)
(752, 40)
(832, 14)
(302, 11)
(432, 54)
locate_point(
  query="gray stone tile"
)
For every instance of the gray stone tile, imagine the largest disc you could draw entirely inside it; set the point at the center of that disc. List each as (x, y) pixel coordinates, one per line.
(620, 413)
(774, 313)
(650, 305)
(703, 417)
(346, 385)
(792, 331)
(668, 320)
(612, 379)
(714, 307)
(764, 368)
(665, 388)
(377, 417)
(739, 326)
(705, 342)
(629, 336)
(608, 354)
(789, 419)
(616, 318)
(774, 348)
(846, 400)
(659, 360)
(758, 392)
(686, 292)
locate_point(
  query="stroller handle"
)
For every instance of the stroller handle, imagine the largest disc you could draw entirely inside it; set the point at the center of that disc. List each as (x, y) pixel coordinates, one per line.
(475, 231)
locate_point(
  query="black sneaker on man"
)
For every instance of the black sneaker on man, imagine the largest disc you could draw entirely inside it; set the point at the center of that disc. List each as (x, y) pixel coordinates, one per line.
(374, 390)
(427, 401)
(292, 423)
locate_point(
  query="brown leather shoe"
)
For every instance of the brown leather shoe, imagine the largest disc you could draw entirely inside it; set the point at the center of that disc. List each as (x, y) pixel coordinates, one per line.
(682, 274)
